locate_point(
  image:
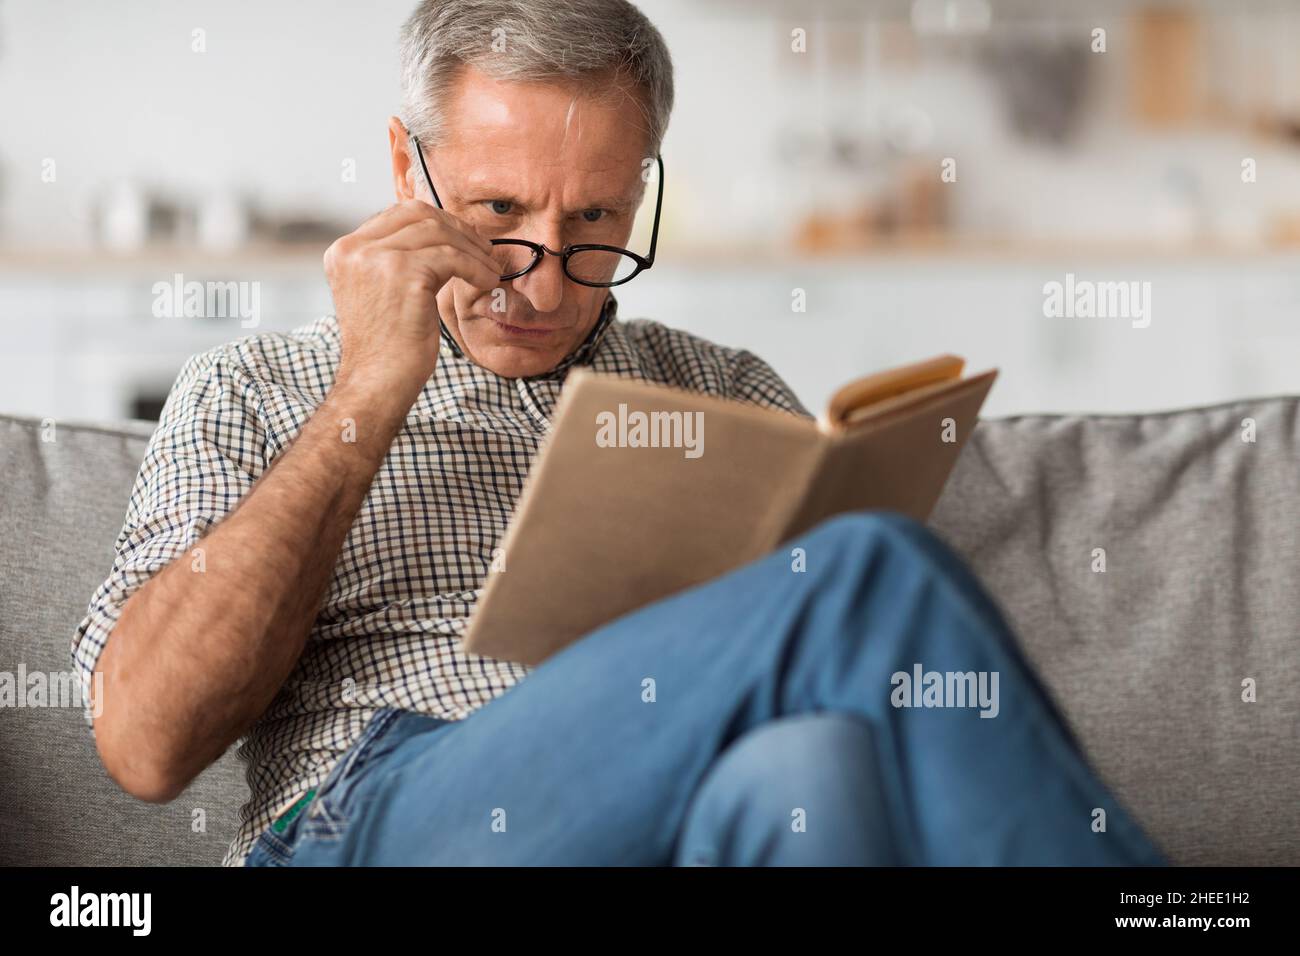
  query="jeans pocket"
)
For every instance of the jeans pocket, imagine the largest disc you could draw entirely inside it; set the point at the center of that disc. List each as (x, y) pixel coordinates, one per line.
(335, 801)
(327, 814)
(269, 850)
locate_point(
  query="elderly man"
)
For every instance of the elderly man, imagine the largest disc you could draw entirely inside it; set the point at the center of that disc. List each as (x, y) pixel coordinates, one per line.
(317, 511)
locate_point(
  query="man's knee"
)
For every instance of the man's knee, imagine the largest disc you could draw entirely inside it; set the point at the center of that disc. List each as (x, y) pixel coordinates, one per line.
(800, 789)
(855, 541)
(856, 527)
(810, 745)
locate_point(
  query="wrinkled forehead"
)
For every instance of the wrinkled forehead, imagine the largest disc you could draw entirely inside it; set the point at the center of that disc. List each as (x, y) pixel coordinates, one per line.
(591, 130)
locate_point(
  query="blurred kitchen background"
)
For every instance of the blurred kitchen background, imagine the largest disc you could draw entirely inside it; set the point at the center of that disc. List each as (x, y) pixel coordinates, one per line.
(232, 140)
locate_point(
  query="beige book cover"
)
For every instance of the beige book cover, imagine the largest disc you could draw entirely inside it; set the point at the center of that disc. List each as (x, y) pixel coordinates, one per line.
(641, 491)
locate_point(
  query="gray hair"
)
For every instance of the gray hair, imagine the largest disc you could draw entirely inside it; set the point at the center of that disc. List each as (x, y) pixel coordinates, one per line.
(593, 44)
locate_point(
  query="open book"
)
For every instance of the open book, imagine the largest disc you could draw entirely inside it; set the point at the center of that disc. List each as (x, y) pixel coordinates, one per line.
(642, 491)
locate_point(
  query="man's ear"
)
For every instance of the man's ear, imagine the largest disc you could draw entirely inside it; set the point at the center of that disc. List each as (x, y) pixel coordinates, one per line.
(403, 181)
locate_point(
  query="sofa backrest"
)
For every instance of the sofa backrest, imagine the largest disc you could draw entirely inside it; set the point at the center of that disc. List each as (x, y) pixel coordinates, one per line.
(63, 497)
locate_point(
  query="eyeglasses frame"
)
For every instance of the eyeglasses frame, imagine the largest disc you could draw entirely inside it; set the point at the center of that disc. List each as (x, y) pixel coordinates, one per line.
(539, 251)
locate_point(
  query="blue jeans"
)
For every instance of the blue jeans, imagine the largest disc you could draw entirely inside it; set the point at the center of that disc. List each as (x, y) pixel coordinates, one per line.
(773, 716)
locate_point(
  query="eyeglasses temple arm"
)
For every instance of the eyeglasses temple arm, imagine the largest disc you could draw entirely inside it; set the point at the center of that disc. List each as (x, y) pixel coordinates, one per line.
(427, 178)
(659, 204)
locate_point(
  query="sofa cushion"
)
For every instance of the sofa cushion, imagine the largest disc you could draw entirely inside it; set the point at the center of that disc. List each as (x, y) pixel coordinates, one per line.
(1201, 538)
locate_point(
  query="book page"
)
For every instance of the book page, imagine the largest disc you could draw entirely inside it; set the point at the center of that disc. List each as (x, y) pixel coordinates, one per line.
(859, 397)
(898, 461)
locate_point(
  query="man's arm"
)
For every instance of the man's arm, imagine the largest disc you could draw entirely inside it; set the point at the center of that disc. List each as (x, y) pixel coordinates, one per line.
(195, 658)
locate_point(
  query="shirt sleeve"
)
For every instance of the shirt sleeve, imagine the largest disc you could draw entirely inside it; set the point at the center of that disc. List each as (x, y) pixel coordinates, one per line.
(754, 381)
(209, 448)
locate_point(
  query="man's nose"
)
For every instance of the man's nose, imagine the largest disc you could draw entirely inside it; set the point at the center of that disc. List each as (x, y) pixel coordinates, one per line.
(543, 287)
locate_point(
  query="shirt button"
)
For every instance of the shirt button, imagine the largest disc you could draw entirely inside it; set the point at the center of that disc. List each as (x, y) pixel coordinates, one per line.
(445, 352)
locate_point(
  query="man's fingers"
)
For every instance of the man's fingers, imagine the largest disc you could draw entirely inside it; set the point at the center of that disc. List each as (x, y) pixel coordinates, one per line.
(446, 262)
(431, 233)
(397, 217)
(387, 221)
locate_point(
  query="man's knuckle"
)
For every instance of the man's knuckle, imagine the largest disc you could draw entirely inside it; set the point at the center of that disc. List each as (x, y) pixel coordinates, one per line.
(336, 253)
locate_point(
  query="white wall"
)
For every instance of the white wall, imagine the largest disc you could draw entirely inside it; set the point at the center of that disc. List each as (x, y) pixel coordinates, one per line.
(286, 91)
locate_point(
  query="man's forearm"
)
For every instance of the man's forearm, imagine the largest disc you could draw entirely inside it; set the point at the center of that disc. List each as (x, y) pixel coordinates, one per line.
(201, 650)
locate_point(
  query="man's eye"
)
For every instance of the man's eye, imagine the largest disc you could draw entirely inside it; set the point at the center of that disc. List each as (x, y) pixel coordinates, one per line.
(500, 206)
(593, 215)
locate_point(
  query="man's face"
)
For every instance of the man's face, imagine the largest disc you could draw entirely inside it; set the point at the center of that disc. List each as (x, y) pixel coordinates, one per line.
(529, 161)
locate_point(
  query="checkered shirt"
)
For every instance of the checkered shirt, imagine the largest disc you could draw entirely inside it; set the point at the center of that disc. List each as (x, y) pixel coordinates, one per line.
(388, 633)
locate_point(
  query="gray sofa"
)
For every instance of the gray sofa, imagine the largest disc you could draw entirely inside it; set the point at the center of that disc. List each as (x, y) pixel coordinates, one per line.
(1201, 537)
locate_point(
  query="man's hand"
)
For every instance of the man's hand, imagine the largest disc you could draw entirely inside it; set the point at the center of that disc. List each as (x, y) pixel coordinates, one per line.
(385, 278)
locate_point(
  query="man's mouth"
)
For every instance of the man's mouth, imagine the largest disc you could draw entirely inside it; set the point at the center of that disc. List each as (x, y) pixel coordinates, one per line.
(531, 332)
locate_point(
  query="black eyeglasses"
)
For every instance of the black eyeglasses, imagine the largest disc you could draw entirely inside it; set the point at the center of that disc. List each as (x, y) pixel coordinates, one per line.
(591, 264)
